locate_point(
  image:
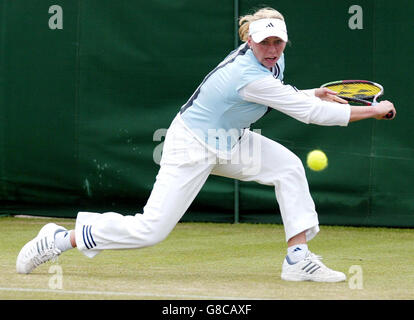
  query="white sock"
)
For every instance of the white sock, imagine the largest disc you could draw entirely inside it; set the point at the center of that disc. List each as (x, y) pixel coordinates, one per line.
(62, 240)
(297, 252)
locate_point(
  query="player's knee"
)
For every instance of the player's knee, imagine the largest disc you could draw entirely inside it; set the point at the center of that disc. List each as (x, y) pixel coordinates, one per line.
(297, 165)
(296, 169)
(293, 169)
(154, 237)
(153, 240)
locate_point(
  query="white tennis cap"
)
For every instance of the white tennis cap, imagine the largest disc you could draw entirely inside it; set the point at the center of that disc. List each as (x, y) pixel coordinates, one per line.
(263, 28)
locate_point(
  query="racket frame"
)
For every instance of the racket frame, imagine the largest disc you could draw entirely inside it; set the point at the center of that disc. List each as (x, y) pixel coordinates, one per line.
(365, 102)
(361, 101)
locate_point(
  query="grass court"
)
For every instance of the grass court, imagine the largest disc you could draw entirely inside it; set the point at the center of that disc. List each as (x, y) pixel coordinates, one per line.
(203, 261)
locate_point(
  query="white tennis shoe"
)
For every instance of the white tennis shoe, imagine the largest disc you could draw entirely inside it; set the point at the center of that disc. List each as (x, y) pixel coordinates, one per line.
(310, 268)
(39, 250)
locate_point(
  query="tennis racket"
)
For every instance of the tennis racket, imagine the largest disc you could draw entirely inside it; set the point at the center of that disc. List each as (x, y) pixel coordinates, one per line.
(358, 91)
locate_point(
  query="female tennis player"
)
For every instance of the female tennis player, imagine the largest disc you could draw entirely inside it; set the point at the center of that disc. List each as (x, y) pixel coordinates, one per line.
(210, 135)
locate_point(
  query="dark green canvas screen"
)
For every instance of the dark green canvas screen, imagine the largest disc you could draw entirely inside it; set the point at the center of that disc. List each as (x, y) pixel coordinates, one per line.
(89, 87)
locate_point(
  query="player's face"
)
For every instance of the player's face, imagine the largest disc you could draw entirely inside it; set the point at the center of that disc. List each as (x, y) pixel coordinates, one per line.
(268, 51)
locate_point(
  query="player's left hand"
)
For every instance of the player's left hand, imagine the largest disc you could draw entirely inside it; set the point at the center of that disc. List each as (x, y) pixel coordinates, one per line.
(328, 95)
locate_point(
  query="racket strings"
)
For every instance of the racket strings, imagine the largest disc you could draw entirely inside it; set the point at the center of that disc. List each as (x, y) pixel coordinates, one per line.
(355, 90)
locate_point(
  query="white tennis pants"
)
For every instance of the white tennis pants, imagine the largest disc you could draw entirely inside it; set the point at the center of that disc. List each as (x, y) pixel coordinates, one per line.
(185, 166)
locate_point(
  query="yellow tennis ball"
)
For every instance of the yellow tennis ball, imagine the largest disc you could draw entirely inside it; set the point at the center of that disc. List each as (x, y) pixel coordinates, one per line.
(317, 160)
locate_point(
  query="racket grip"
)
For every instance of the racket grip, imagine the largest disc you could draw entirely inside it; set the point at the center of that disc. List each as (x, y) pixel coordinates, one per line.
(389, 115)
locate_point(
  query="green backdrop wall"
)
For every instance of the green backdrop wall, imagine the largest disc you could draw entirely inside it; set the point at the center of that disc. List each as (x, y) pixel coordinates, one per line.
(88, 88)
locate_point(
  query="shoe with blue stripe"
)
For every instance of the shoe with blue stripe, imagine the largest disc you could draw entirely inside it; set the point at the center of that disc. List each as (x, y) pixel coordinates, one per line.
(310, 268)
(39, 250)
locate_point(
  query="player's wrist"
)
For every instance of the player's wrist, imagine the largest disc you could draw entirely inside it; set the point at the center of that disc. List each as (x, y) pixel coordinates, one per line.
(376, 111)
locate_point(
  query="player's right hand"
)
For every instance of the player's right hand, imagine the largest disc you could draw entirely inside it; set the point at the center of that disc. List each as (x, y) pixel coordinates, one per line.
(383, 108)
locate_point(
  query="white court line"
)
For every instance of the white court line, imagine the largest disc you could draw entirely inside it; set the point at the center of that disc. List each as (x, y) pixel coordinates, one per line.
(132, 294)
